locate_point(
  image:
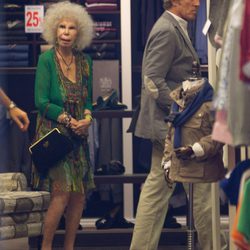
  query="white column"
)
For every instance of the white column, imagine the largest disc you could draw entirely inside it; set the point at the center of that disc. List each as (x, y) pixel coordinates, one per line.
(126, 71)
(215, 186)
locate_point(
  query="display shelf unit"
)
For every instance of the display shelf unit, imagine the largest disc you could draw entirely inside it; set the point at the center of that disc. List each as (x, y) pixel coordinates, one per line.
(34, 40)
(24, 77)
(91, 238)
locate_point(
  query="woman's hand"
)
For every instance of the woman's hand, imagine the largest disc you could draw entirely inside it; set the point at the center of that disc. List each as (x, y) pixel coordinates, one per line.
(80, 127)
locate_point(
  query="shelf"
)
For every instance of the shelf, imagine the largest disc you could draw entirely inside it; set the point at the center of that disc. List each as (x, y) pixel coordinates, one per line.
(124, 178)
(113, 238)
(204, 68)
(103, 12)
(106, 41)
(21, 42)
(112, 114)
(12, 13)
(17, 70)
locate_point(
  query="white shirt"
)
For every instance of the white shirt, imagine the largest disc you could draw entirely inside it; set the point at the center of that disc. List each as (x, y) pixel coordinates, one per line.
(183, 23)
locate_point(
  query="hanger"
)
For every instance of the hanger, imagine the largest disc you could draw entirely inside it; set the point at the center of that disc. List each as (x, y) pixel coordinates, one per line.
(196, 74)
(195, 78)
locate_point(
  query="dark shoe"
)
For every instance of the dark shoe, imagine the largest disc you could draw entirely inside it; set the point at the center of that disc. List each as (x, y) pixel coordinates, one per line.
(61, 225)
(171, 222)
(108, 102)
(101, 170)
(123, 223)
(114, 167)
(105, 223)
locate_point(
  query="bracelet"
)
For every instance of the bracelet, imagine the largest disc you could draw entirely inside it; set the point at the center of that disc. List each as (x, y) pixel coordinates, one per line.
(88, 117)
(66, 119)
(12, 105)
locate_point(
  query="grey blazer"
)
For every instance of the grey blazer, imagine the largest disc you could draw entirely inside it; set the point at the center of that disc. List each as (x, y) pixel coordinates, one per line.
(167, 61)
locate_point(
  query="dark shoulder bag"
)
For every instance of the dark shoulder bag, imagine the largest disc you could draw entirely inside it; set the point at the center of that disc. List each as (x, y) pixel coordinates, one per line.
(49, 149)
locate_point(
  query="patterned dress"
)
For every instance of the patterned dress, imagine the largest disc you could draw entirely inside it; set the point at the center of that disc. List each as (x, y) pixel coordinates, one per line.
(73, 173)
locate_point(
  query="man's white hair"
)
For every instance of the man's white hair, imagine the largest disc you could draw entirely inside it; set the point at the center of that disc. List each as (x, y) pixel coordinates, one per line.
(56, 12)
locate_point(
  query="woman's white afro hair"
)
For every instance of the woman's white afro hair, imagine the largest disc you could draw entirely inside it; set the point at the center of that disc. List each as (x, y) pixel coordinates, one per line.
(56, 12)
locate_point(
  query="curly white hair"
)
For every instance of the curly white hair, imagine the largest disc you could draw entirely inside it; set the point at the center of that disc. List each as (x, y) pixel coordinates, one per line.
(56, 12)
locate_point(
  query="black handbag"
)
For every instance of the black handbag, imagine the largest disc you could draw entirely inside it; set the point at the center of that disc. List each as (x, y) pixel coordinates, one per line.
(50, 149)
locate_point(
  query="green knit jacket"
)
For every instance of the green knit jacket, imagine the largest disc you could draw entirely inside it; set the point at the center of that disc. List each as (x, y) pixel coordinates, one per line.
(47, 86)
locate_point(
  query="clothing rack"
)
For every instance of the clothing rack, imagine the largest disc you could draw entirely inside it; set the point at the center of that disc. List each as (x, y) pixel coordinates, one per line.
(215, 186)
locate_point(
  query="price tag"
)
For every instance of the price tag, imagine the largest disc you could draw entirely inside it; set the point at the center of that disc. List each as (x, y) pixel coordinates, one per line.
(206, 27)
(34, 18)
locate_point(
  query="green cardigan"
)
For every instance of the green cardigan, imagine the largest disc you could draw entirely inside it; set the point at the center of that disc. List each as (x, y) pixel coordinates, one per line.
(47, 86)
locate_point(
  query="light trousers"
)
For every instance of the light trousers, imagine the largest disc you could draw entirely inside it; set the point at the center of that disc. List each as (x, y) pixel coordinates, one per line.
(153, 206)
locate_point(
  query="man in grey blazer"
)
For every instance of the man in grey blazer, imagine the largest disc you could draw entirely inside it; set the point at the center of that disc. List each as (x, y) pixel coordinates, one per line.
(167, 62)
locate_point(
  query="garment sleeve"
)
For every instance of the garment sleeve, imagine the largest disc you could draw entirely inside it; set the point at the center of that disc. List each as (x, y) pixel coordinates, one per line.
(157, 63)
(209, 146)
(42, 90)
(88, 104)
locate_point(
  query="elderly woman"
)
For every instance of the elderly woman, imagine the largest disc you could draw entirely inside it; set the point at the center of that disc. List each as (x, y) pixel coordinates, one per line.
(63, 96)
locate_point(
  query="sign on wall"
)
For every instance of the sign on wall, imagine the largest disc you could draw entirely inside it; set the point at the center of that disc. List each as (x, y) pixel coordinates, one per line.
(34, 15)
(105, 77)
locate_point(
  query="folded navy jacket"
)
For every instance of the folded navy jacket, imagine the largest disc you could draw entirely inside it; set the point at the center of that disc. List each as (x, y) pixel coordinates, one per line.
(103, 55)
(12, 25)
(14, 48)
(14, 56)
(101, 6)
(101, 47)
(13, 38)
(12, 7)
(14, 33)
(14, 63)
(105, 34)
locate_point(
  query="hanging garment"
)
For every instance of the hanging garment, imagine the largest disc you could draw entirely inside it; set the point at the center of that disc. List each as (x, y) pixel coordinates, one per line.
(221, 131)
(150, 12)
(218, 11)
(200, 42)
(245, 46)
(231, 185)
(241, 228)
(238, 93)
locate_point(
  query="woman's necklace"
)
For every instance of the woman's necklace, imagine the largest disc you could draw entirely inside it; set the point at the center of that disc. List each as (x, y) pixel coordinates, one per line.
(67, 64)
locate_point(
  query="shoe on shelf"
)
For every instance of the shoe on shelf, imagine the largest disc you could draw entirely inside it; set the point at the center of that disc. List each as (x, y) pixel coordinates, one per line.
(123, 223)
(108, 222)
(171, 222)
(105, 222)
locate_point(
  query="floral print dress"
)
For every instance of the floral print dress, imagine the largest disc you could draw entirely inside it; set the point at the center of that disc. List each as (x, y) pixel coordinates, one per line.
(73, 173)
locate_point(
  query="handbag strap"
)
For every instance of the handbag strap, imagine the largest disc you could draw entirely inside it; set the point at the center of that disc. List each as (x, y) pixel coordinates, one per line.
(41, 121)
